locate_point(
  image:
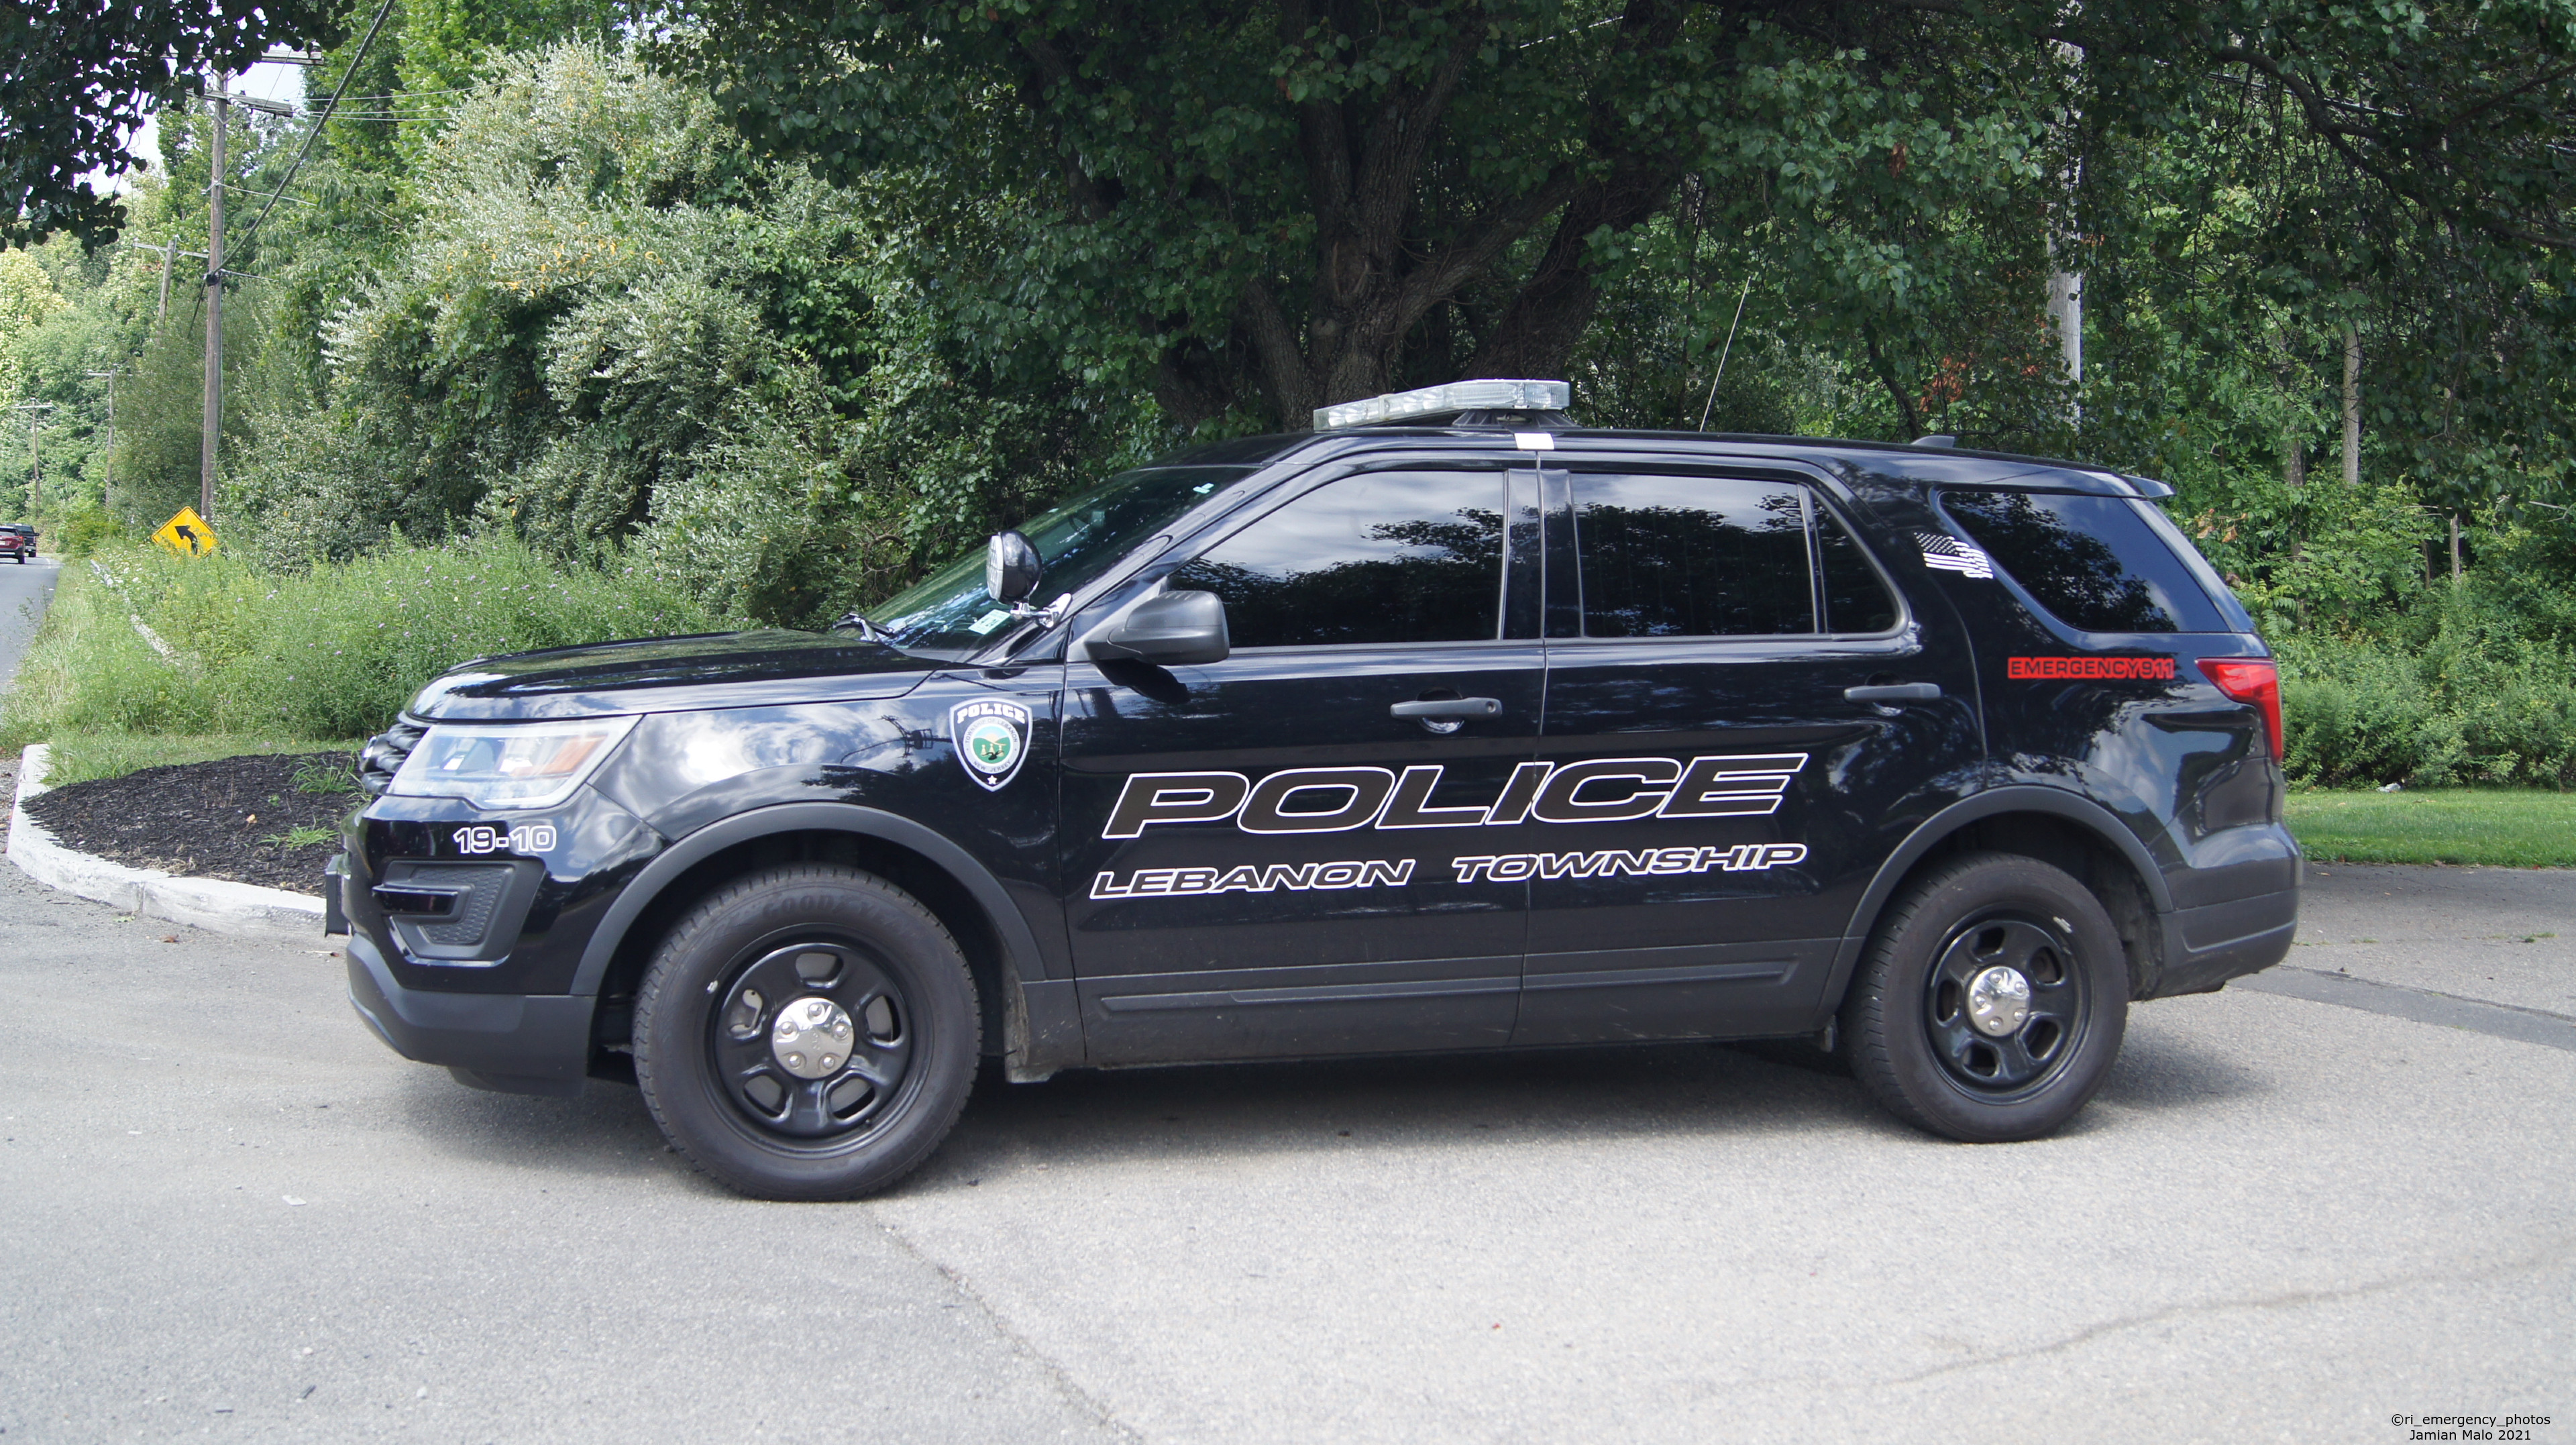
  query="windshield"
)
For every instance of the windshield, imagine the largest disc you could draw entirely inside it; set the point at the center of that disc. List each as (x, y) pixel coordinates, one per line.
(1078, 541)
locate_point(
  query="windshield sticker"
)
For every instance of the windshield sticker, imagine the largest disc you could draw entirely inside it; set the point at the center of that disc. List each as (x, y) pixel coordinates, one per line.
(2092, 669)
(984, 625)
(1945, 553)
(992, 737)
(1341, 800)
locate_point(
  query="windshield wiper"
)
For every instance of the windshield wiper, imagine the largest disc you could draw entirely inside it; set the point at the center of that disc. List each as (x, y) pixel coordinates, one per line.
(867, 631)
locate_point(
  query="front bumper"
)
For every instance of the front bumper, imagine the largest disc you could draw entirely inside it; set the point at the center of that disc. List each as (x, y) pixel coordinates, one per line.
(514, 1043)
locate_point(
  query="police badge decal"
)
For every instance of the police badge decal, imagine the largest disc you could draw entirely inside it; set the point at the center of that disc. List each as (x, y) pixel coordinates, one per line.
(991, 736)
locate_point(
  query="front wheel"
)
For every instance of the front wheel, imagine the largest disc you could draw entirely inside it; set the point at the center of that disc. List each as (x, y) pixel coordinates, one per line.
(1992, 1000)
(808, 1032)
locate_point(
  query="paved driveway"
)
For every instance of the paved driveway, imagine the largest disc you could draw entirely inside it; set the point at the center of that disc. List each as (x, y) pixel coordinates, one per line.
(225, 1210)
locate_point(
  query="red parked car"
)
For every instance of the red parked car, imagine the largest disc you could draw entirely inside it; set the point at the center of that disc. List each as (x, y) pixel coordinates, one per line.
(17, 540)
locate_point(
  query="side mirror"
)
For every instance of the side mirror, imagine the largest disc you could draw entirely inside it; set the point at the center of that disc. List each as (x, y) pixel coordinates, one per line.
(1011, 567)
(1167, 629)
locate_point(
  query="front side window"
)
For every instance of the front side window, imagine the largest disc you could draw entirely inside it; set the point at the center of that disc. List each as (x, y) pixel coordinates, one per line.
(1078, 541)
(2092, 561)
(1381, 557)
(1679, 556)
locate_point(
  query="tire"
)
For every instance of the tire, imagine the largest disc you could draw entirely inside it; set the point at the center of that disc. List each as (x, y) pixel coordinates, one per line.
(778, 1115)
(1911, 1023)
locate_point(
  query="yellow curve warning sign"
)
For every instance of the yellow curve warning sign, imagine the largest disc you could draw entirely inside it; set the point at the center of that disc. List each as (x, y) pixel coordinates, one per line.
(187, 534)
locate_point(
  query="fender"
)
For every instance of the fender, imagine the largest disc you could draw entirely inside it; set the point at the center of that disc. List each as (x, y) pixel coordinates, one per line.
(2016, 798)
(1040, 1013)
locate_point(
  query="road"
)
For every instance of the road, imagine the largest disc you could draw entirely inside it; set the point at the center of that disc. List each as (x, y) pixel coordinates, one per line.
(226, 1211)
(25, 590)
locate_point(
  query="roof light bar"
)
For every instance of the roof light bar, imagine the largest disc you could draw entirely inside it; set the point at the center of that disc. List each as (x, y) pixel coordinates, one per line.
(1483, 394)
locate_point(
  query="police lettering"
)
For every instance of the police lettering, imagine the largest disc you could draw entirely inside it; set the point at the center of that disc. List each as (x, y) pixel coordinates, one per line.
(1640, 862)
(1339, 800)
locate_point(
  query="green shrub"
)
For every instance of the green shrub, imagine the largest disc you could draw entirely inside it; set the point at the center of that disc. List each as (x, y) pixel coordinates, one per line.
(85, 531)
(2353, 716)
(2462, 692)
(330, 653)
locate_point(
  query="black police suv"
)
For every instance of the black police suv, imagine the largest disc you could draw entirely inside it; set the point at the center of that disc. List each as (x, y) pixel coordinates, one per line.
(1448, 725)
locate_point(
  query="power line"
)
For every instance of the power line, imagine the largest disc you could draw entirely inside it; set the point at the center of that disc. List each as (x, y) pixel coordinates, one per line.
(327, 107)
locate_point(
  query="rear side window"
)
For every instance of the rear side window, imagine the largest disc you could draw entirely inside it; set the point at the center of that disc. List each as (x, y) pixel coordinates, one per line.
(1383, 557)
(1691, 557)
(1855, 599)
(2092, 561)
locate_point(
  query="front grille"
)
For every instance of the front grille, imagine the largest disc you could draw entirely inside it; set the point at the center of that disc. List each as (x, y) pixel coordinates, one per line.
(383, 756)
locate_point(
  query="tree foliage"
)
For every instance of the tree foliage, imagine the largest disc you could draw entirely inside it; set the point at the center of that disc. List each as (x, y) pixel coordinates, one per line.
(1319, 201)
(613, 331)
(80, 75)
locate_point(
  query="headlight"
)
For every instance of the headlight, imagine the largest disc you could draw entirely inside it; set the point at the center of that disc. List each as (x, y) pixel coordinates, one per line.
(515, 765)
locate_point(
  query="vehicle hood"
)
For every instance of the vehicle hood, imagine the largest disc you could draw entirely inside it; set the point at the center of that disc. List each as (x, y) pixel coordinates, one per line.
(671, 674)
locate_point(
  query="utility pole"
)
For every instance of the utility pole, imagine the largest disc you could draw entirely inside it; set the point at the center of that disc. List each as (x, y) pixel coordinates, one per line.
(214, 310)
(2065, 276)
(107, 483)
(168, 251)
(35, 457)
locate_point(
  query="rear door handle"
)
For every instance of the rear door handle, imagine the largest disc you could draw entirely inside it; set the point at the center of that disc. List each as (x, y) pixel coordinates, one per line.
(1449, 707)
(1894, 692)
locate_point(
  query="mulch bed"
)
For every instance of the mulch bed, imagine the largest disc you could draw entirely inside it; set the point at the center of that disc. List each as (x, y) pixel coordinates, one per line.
(222, 819)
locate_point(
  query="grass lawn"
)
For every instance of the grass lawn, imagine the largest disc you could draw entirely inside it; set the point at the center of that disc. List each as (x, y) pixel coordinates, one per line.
(2510, 827)
(79, 757)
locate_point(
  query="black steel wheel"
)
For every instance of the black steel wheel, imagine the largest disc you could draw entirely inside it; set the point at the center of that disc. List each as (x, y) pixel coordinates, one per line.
(809, 1032)
(1992, 1001)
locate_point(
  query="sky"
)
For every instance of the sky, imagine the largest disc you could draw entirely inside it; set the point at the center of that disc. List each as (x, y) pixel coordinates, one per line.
(282, 83)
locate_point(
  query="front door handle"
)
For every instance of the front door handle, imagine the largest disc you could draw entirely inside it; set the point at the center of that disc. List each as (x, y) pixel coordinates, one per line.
(1449, 707)
(1894, 692)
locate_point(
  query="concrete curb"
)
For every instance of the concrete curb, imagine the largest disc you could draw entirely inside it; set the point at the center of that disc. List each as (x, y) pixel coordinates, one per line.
(241, 909)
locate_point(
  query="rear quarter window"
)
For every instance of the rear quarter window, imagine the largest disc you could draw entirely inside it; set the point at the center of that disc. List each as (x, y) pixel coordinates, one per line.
(2091, 561)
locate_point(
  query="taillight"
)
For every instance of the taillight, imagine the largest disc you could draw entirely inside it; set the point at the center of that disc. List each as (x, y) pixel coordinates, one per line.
(2254, 681)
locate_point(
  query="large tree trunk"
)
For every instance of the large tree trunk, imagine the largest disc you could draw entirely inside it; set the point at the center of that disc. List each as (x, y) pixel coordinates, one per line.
(1372, 285)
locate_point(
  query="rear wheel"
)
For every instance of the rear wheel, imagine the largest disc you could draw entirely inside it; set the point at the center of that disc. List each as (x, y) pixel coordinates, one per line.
(1992, 1001)
(809, 1032)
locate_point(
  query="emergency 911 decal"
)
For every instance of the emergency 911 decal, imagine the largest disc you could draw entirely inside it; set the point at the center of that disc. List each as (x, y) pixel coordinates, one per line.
(2091, 669)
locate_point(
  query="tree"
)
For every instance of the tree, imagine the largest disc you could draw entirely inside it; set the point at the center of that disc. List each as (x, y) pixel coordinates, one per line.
(1319, 199)
(80, 75)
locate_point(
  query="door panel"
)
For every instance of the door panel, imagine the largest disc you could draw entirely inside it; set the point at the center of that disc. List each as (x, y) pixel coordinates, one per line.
(1260, 851)
(1717, 912)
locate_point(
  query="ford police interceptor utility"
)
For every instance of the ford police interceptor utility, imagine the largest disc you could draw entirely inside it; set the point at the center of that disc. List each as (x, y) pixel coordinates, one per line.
(1446, 726)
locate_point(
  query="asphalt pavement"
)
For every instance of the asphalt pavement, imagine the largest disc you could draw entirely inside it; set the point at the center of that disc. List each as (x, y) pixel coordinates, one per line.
(226, 1211)
(25, 590)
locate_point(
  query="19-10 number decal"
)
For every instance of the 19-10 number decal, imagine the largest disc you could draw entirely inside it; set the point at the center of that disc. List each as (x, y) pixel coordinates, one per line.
(526, 838)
